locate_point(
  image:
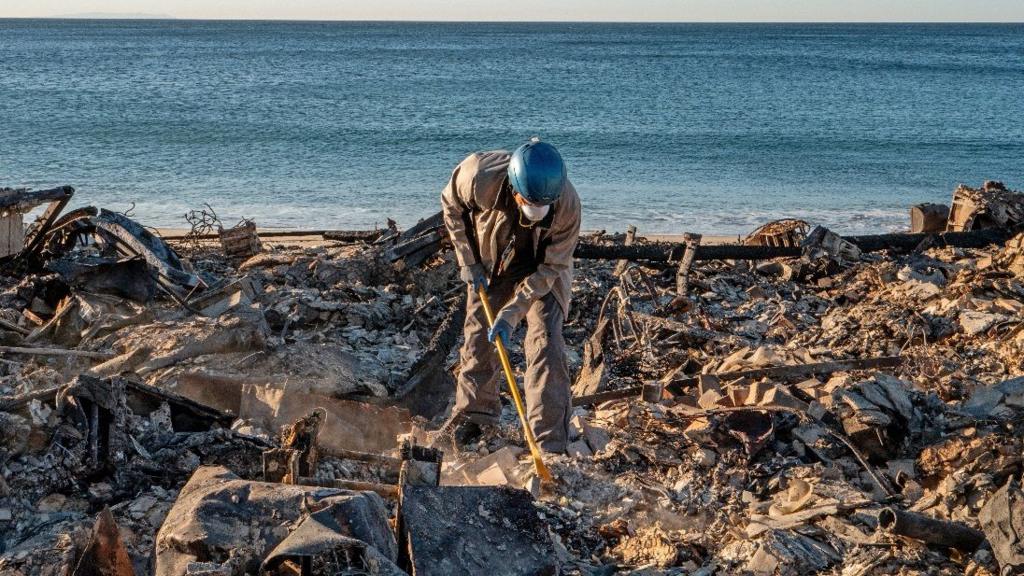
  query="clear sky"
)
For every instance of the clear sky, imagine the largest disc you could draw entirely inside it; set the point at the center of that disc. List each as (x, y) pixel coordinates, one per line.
(572, 10)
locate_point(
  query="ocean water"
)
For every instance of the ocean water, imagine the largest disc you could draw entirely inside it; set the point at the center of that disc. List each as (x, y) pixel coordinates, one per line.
(674, 127)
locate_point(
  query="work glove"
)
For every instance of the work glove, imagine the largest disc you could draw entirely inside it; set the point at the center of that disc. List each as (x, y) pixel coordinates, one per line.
(474, 275)
(501, 329)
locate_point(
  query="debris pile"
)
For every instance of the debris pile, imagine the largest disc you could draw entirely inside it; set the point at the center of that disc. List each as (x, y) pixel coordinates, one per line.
(805, 403)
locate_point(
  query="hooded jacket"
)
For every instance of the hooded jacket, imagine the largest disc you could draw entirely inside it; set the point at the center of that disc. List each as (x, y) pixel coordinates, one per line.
(479, 230)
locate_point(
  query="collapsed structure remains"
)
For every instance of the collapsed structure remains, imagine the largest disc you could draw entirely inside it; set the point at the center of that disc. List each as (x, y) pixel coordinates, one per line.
(220, 404)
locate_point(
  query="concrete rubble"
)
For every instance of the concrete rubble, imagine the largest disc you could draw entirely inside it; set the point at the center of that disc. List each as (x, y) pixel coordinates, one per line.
(222, 403)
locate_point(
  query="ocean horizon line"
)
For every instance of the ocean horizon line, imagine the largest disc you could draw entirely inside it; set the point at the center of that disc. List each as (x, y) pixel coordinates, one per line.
(170, 18)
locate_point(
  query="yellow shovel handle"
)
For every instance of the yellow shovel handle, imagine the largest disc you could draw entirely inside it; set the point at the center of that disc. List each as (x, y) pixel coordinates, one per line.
(538, 461)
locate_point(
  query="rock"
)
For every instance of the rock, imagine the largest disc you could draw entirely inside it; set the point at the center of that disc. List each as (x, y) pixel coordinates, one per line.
(973, 322)
(706, 458)
(770, 268)
(983, 402)
(1002, 520)
(505, 460)
(698, 430)
(596, 438)
(52, 502)
(493, 475)
(579, 449)
(650, 545)
(710, 399)
(14, 433)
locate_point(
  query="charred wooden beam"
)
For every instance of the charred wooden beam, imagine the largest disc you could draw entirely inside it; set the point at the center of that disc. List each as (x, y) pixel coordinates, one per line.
(37, 233)
(336, 235)
(671, 252)
(425, 392)
(621, 265)
(410, 246)
(21, 200)
(930, 530)
(301, 436)
(676, 386)
(692, 242)
(432, 222)
(908, 242)
(19, 401)
(383, 490)
(607, 395)
(8, 325)
(668, 252)
(378, 459)
(345, 235)
(414, 259)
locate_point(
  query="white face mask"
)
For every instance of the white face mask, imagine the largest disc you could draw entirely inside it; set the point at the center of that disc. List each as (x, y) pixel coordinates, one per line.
(534, 213)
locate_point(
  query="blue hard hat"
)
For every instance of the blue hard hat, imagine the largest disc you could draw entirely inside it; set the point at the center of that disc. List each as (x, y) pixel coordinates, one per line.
(537, 172)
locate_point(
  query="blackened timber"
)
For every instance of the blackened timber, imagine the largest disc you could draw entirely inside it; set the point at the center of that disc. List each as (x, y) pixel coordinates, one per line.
(664, 252)
(908, 242)
(414, 259)
(333, 235)
(21, 200)
(672, 252)
(432, 222)
(383, 490)
(352, 235)
(426, 389)
(12, 403)
(408, 247)
(930, 530)
(599, 397)
(677, 386)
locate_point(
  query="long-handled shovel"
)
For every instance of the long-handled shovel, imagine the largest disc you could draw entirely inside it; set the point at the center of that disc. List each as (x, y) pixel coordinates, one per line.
(538, 462)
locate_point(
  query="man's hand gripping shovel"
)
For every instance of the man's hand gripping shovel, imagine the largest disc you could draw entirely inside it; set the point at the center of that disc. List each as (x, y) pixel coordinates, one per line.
(538, 462)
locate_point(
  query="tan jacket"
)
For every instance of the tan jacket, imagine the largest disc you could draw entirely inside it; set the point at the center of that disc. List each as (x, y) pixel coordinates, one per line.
(469, 202)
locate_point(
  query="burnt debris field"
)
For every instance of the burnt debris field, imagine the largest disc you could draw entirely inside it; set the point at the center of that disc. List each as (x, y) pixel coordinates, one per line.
(238, 401)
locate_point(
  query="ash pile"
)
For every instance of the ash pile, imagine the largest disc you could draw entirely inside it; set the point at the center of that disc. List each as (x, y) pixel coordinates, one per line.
(231, 403)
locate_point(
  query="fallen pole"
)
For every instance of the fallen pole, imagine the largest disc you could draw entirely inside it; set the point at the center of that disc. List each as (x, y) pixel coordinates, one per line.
(908, 242)
(930, 530)
(673, 252)
(668, 252)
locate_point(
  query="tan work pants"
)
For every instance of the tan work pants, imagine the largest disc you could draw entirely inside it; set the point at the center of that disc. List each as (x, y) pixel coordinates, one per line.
(548, 396)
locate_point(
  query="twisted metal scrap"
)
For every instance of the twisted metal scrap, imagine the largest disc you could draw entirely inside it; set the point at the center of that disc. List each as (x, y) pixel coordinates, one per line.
(203, 222)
